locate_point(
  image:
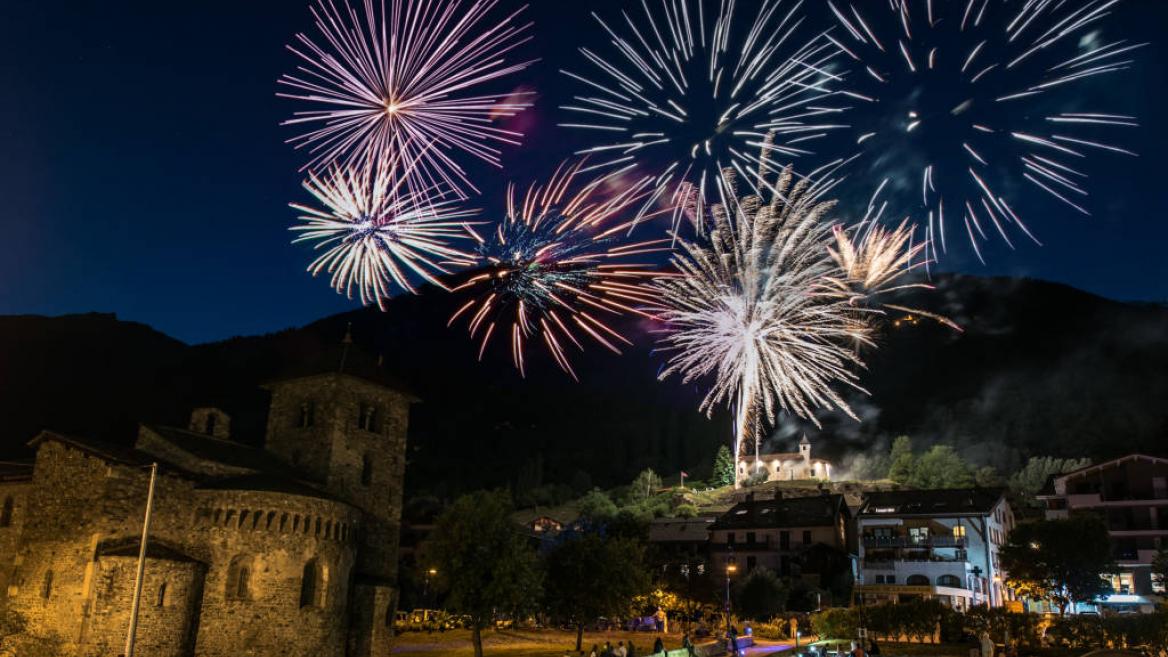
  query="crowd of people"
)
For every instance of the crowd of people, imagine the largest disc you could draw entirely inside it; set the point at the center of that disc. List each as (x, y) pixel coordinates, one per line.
(628, 649)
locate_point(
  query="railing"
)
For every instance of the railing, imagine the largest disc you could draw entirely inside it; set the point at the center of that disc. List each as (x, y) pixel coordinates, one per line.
(913, 541)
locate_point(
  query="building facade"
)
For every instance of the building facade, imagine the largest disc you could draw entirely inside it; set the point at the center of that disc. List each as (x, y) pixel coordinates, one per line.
(802, 537)
(286, 550)
(786, 466)
(1130, 495)
(939, 544)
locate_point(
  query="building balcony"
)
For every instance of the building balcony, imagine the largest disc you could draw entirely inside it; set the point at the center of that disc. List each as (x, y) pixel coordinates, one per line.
(911, 541)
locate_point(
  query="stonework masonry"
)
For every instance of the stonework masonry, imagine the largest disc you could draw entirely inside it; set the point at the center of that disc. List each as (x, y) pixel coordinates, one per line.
(286, 551)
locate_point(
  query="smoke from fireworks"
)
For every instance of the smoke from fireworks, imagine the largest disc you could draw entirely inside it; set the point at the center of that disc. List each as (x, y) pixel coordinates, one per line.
(376, 234)
(964, 90)
(687, 94)
(754, 307)
(401, 84)
(559, 267)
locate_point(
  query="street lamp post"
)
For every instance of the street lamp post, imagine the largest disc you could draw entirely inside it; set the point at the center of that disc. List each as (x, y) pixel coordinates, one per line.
(730, 570)
(426, 589)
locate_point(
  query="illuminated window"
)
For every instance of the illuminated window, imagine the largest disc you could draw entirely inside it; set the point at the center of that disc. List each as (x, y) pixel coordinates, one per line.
(959, 531)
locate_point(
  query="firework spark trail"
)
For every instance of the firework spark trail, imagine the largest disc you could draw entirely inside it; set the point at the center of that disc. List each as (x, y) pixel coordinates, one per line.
(559, 267)
(1001, 55)
(377, 235)
(383, 85)
(755, 308)
(699, 93)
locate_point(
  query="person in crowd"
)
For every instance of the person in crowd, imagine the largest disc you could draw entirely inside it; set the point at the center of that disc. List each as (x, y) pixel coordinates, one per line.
(595, 651)
(687, 644)
(857, 650)
(621, 651)
(658, 646)
(873, 649)
(732, 641)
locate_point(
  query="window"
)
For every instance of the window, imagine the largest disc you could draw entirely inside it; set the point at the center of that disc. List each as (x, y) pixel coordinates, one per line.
(918, 535)
(366, 470)
(313, 585)
(209, 427)
(784, 540)
(750, 538)
(730, 538)
(47, 585)
(238, 585)
(368, 419)
(951, 581)
(160, 601)
(806, 537)
(751, 562)
(307, 414)
(917, 580)
(959, 532)
(6, 512)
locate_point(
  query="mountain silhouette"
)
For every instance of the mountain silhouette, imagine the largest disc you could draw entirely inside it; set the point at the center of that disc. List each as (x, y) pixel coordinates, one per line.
(1039, 369)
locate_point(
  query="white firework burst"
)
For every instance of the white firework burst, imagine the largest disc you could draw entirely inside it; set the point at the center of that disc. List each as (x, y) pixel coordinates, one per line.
(402, 84)
(378, 236)
(755, 308)
(970, 96)
(685, 94)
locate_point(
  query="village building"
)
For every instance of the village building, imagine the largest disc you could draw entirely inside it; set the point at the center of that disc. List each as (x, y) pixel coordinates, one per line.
(940, 544)
(285, 550)
(1130, 495)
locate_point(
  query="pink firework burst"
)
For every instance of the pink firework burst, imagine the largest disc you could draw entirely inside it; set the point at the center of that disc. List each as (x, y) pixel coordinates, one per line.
(402, 82)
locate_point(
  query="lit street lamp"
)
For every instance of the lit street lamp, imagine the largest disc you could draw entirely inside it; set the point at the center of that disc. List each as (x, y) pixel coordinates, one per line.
(426, 589)
(730, 570)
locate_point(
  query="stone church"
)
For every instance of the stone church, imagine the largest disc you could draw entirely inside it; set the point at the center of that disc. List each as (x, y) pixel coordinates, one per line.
(787, 466)
(288, 550)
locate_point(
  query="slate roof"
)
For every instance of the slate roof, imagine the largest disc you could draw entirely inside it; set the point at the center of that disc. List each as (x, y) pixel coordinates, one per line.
(680, 530)
(938, 502)
(219, 450)
(11, 471)
(814, 511)
(269, 483)
(98, 448)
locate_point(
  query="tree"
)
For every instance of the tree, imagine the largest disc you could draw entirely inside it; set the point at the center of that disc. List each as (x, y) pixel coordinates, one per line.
(723, 467)
(590, 575)
(761, 594)
(1059, 560)
(901, 460)
(646, 483)
(1026, 482)
(940, 467)
(597, 506)
(484, 560)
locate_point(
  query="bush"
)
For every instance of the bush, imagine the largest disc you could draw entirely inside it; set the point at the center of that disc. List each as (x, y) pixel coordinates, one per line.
(1146, 631)
(836, 623)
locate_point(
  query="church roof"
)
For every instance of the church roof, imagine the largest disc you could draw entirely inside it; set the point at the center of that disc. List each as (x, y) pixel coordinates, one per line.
(777, 456)
(131, 546)
(269, 483)
(219, 450)
(98, 448)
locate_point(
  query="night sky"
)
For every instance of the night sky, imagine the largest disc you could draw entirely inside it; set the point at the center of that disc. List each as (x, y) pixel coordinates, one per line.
(144, 171)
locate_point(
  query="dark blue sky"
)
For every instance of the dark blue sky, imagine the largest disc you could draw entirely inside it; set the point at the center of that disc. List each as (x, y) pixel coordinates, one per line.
(144, 173)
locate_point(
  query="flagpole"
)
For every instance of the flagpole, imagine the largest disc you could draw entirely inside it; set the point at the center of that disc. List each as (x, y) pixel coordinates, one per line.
(137, 601)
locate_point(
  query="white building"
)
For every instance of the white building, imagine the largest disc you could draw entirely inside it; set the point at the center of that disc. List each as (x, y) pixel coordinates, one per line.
(934, 544)
(786, 466)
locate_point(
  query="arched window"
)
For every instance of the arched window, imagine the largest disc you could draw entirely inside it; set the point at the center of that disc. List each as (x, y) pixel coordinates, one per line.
(917, 580)
(47, 585)
(313, 585)
(6, 512)
(949, 580)
(160, 601)
(283, 522)
(209, 427)
(366, 470)
(238, 579)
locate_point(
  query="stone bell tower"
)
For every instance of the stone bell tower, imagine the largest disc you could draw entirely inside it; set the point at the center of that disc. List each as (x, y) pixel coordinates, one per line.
(341, 424)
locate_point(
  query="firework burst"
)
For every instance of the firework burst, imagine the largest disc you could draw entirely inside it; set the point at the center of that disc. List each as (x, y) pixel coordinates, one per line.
(755, 308)
(962, 92)
(382, 84)
(686, 94)
(559, 267)
(376, 235)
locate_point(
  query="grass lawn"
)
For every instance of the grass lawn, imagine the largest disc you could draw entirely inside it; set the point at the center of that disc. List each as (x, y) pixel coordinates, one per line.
(519, 643)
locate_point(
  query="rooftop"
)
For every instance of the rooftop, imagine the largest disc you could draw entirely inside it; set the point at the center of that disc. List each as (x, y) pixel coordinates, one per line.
(815, 511)
(947, 501)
